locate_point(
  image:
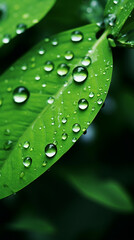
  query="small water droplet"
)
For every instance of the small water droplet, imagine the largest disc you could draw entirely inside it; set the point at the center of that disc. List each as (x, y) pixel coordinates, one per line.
(69, 55)
(91, 94)
(86, 61)
(8, 145)
(24, 67)
(50, 150)
(64, 120)
(74, 140)
(41, 51)
(50, 100)
(6, 38)
(76, 128)
(22, 174)
(76, 36)
(54, 42)
(21, 28)
(64, 136)
(37, 77)
(80, 74)
(7, 132)
(44, 163)
(20, 95)
(62, 69)
(49, 66)
(99, 101)
(83, 104)
(27, 162)
(26, 145)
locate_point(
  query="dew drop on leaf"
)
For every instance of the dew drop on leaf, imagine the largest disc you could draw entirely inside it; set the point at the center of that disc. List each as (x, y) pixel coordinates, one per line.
(49, 66)
(99, 101)
(64, 136)
(54, 42)
(21, 28)
(86, 61)
(20, 95)
(50, 100)
(69, 55)
(76, 128)
(44, 163)
(74, 140)
(8, 145)
(83, 104)
(64, 120)
(37, 77)
(26, 145)
(91, 94)
(76, 36)
(62, 69)
(41, 51)
(80, 74)
(50, 150)
(27, 162)
(6, 39)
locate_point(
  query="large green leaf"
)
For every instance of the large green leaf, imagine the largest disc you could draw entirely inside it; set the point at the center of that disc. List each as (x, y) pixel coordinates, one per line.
(52, 109)
(107, 192)
(117, 13)
(16, 16)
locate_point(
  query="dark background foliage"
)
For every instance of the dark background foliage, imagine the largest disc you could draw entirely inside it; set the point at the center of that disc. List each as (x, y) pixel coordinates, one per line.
(106, 149)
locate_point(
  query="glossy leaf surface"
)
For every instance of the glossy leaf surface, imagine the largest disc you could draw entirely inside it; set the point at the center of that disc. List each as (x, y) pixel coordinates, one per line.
(65, 81)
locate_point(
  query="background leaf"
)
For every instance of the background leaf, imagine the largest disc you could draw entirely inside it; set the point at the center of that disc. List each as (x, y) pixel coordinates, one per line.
(117, 13)
(52, 110)
(17, 16)
(106, 192)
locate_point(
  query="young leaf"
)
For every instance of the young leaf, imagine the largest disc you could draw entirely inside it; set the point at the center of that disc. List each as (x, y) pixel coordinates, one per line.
(117, 13)
(106, 192)
(17, 16)
(48, 99)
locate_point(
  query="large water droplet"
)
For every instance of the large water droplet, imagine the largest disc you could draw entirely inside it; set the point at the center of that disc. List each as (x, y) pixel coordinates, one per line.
(80, 74)
(99, 101)
(49, 66)
(62, 69)
(76, 36)
(27, 162)
(83, 104)
(21, 28)
(86, 61)
(69, 55)
(20, 95)
(26, 145)
(76, 128)
(50, 150)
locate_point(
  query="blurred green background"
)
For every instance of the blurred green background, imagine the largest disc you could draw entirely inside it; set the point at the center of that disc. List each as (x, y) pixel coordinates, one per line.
(52, 207)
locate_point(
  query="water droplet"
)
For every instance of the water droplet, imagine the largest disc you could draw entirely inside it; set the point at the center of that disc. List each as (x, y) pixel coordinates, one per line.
(50, 100)
(99, 101)
(50, 150)
(24, 67)
(21, 28)
(41, 51)
(20, 95)
(62, 69)
(64, 120)
(7, 132)
(69, 55)
(6, 39)
(91, 94)
(54, 42)
(37, 77)
(64, 136)
(110, 20)
(26, 145)
(74, 140)
(8, 145)
(83, 104)
(80, 74)
(44, 163)
(27, 162)
(76, 128)
(22, 174)
(49, 66)
(86, 61)
(116, 1)
(76, 36)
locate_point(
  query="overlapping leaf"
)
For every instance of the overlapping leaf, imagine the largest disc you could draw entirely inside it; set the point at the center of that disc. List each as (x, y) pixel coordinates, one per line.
(53, 107)
(16, 16)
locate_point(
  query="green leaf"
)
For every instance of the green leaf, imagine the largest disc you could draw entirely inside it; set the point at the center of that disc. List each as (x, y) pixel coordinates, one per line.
(117, 13)
(106, 192)
(16, 16)
(31, 224)
(49, 114)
